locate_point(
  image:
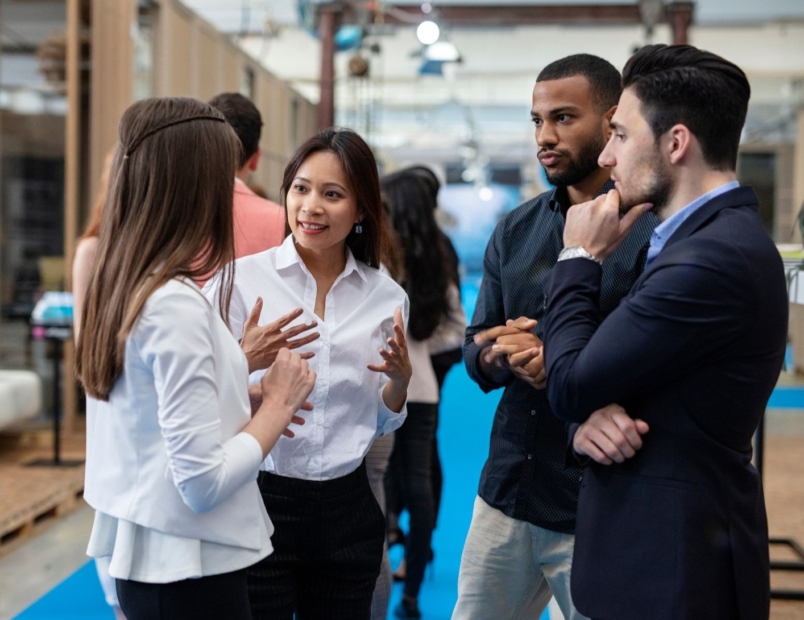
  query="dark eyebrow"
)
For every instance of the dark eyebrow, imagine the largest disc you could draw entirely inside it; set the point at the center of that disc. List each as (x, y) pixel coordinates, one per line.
(556, 111)
(563, 110)
(328, 184)
(615, 126)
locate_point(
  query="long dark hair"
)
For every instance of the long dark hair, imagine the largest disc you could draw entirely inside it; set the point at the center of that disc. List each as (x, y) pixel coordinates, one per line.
(372, 245)
(426, 276)
(168, 214)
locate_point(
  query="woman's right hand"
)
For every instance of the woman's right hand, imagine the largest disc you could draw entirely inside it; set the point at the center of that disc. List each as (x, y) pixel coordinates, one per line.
(285, 387)
(287, 384)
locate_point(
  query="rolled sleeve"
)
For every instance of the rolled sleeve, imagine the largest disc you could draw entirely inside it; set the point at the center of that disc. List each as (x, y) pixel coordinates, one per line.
(175, 339)
(388, 421)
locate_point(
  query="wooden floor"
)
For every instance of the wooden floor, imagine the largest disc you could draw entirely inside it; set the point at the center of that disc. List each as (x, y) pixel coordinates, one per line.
(784, 497)
(33, 498)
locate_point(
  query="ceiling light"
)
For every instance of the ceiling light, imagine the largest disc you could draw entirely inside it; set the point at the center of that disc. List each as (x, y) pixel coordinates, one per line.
(442, 51)
(427, 32)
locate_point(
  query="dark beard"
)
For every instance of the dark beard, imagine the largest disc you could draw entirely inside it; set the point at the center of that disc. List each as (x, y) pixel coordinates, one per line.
(657, 192)
(580, 167)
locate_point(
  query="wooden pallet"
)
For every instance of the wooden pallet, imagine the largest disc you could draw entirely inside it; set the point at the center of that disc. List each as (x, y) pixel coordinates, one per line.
(33, 498)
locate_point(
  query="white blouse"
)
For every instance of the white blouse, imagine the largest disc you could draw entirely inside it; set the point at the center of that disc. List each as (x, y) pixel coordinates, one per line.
(348, 410)
(170, 474)
(448, 335)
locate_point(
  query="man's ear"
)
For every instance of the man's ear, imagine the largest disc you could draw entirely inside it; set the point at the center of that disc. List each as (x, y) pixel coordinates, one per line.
(679, 143)
(606, 120)
(254, 160)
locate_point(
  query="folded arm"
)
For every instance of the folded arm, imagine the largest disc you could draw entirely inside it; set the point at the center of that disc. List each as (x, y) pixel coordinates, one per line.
(681, 315)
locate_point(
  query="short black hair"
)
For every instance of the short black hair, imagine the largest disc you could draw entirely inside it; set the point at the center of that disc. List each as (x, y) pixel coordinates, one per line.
(603, 77)
(680, 84)
(245, 119)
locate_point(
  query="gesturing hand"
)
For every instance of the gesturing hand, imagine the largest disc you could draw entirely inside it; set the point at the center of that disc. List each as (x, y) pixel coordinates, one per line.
(255, 400)
(396, 366)
(596, 226)
(609, 435)
(261, 344)
(285, 387)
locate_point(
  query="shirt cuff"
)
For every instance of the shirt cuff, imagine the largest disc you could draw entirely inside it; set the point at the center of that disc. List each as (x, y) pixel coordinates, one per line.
(388, 421)
(243, 453)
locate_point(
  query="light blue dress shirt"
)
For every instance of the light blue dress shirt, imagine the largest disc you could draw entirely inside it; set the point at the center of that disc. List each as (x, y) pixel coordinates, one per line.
(666, 229)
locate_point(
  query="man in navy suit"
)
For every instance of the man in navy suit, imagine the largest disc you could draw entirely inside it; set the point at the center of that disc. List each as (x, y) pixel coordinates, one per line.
(671, 518)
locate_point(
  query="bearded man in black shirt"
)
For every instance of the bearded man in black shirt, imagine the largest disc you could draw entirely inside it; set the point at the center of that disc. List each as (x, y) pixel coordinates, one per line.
(518, 552)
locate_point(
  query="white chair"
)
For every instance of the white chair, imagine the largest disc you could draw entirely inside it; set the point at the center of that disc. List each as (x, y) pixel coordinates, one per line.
(20, 396)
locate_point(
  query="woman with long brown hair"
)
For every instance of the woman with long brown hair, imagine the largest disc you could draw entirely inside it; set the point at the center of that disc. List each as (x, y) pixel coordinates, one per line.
(172, 447)
(83, 263)
(329, 528)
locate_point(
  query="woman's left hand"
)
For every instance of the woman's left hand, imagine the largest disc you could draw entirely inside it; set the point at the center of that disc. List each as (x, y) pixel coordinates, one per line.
(396, 366)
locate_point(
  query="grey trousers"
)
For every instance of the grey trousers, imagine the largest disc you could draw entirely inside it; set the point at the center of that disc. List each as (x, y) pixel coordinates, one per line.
(376, 466)
(511, 568)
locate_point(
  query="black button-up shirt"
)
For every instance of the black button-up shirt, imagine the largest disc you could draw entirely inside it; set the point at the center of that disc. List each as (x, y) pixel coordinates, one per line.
(526, 475)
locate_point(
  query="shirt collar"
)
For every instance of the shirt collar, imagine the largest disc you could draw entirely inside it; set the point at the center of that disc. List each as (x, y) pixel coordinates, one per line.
(666, 229)
(560, 202)
(242, 187)
(286, 256)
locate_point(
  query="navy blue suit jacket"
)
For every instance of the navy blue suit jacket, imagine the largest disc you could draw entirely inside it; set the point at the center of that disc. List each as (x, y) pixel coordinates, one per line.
(695, 349)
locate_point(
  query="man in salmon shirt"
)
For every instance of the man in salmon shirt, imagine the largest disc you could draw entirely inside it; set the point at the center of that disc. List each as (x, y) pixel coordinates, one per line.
(259, 224)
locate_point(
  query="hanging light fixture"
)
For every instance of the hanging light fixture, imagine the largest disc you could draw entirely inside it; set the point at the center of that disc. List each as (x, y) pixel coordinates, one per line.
(428, 32)
(651, 12)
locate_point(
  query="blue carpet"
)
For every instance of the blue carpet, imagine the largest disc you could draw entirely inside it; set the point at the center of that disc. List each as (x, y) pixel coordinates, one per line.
(78, 597)
(787, 398)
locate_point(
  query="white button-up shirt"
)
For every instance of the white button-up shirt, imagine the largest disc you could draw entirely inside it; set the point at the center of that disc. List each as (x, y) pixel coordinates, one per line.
(348, 410)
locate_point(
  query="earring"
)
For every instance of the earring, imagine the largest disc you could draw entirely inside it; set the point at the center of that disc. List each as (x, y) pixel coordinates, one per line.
(358, 228)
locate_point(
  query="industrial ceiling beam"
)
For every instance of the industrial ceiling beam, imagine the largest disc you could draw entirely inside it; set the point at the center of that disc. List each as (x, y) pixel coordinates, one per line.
(677, 14)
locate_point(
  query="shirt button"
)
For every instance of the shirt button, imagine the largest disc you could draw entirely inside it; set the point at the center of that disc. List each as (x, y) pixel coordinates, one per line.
(530, 457)
(532, 412)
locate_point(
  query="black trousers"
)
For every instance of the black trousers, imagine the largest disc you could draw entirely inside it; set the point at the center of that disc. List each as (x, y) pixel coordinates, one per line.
(442, 363)
(411, 468)
(328, 545)
(217, 596)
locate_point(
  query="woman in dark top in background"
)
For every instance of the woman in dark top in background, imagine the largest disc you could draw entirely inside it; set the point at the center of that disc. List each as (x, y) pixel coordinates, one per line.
(427, 283)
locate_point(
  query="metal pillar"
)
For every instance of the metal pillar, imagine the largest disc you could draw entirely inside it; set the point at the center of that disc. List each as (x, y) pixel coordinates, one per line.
(325, 116)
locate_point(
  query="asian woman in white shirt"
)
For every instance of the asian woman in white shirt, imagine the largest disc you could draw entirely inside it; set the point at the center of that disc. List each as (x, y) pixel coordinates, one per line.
(173, 446)
(328, 542)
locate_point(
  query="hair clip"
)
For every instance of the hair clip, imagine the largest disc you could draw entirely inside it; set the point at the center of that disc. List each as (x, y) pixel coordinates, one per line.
(147, 134)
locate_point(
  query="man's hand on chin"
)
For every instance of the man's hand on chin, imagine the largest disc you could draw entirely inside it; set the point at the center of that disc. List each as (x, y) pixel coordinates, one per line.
(597, 227)
(609, 436)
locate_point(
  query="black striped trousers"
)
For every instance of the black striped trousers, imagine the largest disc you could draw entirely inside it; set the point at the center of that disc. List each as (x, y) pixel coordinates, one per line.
(328, 546)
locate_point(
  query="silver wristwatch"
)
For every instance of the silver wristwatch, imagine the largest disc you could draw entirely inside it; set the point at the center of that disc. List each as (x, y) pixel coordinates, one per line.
(576, 251)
